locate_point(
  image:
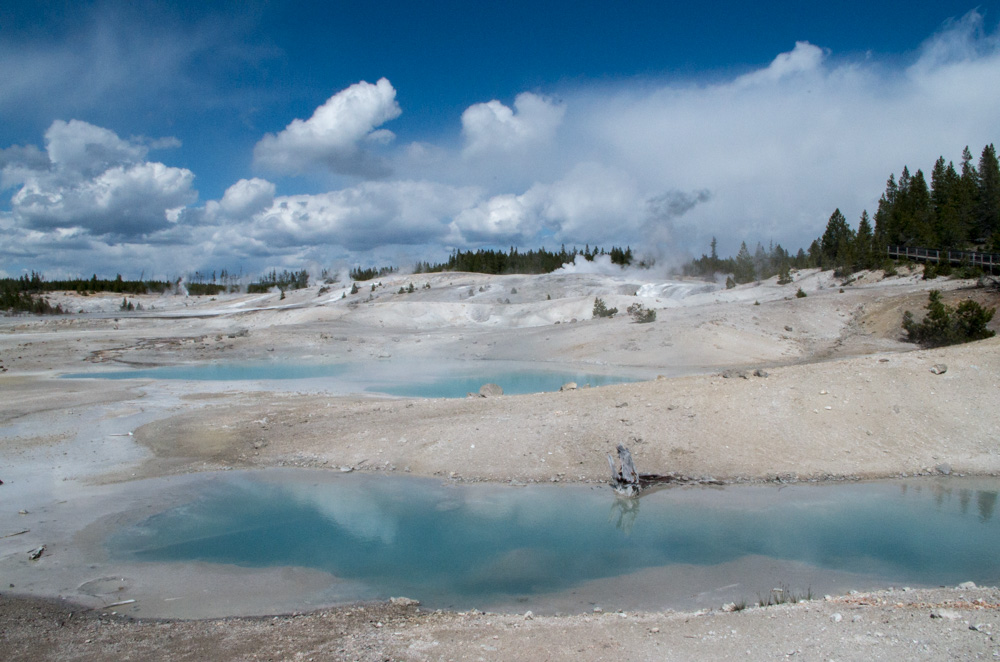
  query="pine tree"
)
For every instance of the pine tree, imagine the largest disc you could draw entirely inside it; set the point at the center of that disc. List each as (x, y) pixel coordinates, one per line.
(967, 198)
(743, 271)
(837, 243)
(989, 194)
(864, 244)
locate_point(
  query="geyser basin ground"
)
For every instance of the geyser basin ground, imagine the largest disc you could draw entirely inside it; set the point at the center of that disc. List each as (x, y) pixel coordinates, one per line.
(569, 548)
(408, 378)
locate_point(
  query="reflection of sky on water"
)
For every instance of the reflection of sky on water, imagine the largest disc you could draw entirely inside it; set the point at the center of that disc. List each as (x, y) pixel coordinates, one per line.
(407, 378)
(469, 543)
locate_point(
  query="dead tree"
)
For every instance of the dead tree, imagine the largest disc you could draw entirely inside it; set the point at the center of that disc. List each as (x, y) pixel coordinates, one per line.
(625, 479)
(628, 482)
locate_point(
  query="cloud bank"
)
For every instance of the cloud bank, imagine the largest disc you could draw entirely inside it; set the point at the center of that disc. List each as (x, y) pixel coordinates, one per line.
(659, 164)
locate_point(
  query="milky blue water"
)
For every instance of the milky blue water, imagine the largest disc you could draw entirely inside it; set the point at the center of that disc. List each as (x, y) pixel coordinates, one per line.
(512, 383)
(470, 545)
(454, 379)
(231, 371)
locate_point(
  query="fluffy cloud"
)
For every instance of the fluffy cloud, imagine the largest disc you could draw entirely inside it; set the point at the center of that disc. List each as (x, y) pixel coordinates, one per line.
(661, 164)
(494, 127)
(247, 197)
(364, 216)
(93, 180)
(332, 138)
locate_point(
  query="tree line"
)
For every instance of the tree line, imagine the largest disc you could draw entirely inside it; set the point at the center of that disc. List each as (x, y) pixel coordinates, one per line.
(514, 261)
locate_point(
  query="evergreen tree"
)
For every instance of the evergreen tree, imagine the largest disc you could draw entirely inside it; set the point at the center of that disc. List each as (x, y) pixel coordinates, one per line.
(864, 244)
(743, 271)
(885, 232)
(989, 194)
(967, 198)
(837, 242)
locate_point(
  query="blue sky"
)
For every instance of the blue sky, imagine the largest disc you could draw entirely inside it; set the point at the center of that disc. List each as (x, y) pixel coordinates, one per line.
(169, 137)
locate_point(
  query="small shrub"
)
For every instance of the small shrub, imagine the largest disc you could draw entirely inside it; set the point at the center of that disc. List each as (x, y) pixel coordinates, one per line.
(641, 314)
(601, 309)
(944, 325)
(354, 288)
(968, 271)
(800, 294)
(889, 269)
(513, 290)
(730, 283)
(930, 273)
(944, 269)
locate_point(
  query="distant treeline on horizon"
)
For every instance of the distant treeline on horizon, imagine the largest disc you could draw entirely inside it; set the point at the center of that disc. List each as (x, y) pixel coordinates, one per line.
(960, 209)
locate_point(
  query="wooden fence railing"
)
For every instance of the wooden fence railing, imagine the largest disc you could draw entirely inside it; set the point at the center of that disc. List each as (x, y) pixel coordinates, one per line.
(987, 261)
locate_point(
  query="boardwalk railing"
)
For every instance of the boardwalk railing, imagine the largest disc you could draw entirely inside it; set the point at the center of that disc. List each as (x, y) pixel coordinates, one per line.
(987, 261)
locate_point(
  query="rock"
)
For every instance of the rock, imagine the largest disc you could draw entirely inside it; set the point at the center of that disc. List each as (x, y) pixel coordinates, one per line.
(568, 386)
(939, 368)
(732, 372)
(836, 618)
(490, 390)
(967, 585)
(943, 468)
(404, 602)
(760, 373)
(949, 614)
(528, 615)
(346, 470)
(789, 329)
(36, 553)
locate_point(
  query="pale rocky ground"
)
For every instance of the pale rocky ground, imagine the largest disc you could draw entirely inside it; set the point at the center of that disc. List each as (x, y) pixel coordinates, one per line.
(843, 398)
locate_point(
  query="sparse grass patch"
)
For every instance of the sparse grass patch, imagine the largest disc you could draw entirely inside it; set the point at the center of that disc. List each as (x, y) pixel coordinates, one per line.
(781, 596)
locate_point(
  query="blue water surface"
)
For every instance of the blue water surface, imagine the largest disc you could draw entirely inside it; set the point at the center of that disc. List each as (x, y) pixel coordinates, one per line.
(405, 379)
(470, 545)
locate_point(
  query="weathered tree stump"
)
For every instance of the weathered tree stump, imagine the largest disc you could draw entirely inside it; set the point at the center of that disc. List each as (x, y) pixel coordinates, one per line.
(628, 482)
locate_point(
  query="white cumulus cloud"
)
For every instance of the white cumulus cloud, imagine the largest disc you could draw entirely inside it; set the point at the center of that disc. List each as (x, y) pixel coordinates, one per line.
(364, 216)
(332, 137)
(492, 126)
(98, 182)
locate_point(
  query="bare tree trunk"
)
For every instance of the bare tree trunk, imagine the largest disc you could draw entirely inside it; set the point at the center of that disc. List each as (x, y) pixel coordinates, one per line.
(628, 482)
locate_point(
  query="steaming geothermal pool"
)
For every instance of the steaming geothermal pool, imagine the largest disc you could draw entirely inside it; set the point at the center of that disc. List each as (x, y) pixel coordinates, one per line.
(572, 547)
(408, 378)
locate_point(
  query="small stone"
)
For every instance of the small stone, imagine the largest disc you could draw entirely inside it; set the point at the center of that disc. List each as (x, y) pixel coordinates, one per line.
(943, 468)
(967, 585)
(490, 390)
(568, 386)
(404, 602)
(939, 368)
(346, 470)
(36, 553)
(789, 329)
(949, 614)
(836, 618)
(528, 615)
(760, 373)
